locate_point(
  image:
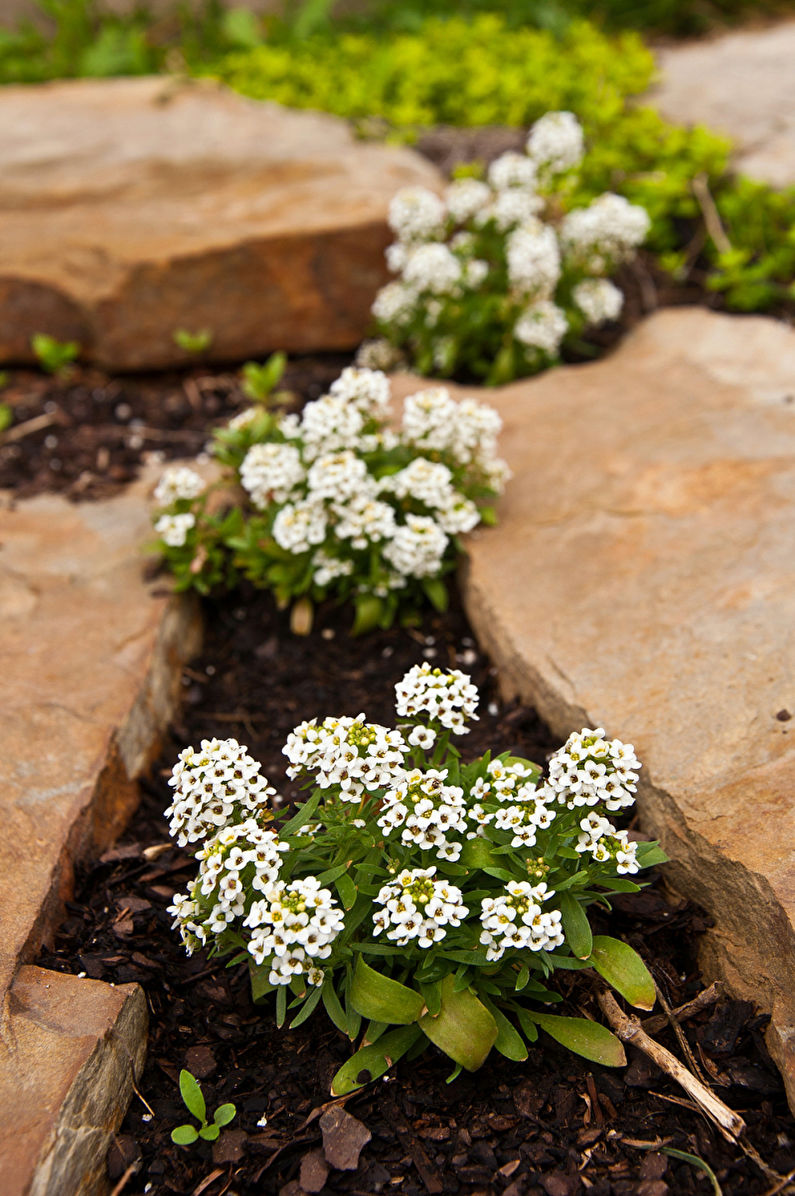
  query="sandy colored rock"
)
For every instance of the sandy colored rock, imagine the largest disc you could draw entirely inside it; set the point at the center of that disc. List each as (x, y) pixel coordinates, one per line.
(642, 578)
(742, 84)
(70, 1052)
(136, 207)
(91, 662)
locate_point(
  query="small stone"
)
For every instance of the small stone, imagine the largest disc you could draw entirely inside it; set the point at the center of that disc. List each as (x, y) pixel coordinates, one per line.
(314, 1171)
(230, 1147)
(344, 1137)
(200, 1061)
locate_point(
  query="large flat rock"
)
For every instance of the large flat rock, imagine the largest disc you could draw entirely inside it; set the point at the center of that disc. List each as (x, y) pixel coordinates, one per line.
(742, 84)
(135, 207)
(91, 657)
(71, 1053)
(642, 578)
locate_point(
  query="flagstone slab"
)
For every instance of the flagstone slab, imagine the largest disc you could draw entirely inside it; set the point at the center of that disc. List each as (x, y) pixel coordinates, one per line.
(133, 208)
(740, 83)
(90, 657)
(72, 1050)
(642, 579)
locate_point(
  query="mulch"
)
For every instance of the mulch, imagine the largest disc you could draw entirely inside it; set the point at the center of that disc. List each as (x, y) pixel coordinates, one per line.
(551, 1126)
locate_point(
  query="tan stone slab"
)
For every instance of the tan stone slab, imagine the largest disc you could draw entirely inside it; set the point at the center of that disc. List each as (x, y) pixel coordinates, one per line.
(135, 207)
(743, 84)
(90, 660)
(70, 1052)
(642, 578)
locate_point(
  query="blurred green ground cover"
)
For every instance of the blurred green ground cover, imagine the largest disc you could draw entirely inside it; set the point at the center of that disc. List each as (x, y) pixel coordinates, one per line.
(464, 65)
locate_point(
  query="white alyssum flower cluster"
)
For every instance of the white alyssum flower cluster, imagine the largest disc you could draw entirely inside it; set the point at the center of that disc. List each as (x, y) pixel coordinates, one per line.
(504, 237)
(606, 844)
(236, 860)
(446, 696)
(428, 813)
(417, 908)
(293, 926)
(590, 770)
(350, 754)
(173, 529)
(177, 482)
(213, 786)
(516, 921)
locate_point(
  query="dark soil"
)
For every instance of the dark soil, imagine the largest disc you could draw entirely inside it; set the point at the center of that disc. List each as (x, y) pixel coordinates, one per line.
(552, 1126)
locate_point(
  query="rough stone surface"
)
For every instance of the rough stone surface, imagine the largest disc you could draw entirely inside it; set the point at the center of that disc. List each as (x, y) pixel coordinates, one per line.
(136, 207)
(742, 84)
(642, 578)
(71, 1050)
(90, 660)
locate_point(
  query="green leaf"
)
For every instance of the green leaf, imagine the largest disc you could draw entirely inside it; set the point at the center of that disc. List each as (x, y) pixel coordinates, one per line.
(374, 1059)
(192, 1095)
(508, 1041)
(281, 1005)
(589, 1039)
(333, 1007)
(436, 593)
(347, 891)
(382, 999)
(261, 986)
(224, 1114)
(6, 417)
(575, 925)
(624, 969)
(184, 1135)
(649, 854)
(464, 1029)
(210, 1132)
(307, 1009)
(369, 610)
(477, 853)
(303, 815)
(696, 1162)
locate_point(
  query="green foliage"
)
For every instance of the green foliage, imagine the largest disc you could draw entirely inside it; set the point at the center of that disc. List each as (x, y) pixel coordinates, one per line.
(486, 71)
(259, 380)
(193, 342)
(416, 897)
(6, 417)
(193, 1099)
(53, 355)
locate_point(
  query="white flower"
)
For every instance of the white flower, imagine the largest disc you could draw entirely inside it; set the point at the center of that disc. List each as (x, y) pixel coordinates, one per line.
(511, 207)
(416, 214)
(476, 272)
(542, 326)
(173, 529)
(347, 754)
(418, 908)
(556, 142)
(292, 926)
(395, 304)
(367, 389)
(515, 921)
(299, 526)
(175, 483)
(445, 696)
(339, 476)
(465, 198)
(512, 170)
(417, 548)
(422, 737)
(427, 813)
(533, 259)
(433, 268)
(214, 785)
(590, 770)
(598, 299)
(605, 232)
(271, 473)
(378, 354)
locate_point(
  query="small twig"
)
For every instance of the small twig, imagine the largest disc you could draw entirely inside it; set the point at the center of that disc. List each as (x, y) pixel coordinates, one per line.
(781, 1185)
(707, 997)
(680, 1036)
(710, 213)
(122, 1184)
(30, 426)
(629, 1029)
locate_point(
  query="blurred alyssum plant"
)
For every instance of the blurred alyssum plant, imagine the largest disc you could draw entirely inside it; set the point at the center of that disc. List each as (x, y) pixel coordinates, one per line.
(335, 502)
(497, 275)
(416, 897)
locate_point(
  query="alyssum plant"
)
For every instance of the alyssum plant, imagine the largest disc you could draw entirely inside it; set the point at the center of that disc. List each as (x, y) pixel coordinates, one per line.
(416, 897)
(494, 277)
(337, 502)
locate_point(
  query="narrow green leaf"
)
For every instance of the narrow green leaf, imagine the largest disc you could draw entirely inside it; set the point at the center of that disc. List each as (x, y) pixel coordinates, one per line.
(374, 1060)
(261, 986)
(369, 610)
(382, 999)
(281, 1005)
(184, 1135)
(192, 1095)
(6, 417)
(347, 891)
(508, 1041)
(302, 815)
(696, 1162)
(575, 925)
(224, 1114)
(649, 854)
(624, 969)
(529, 1028)
(589, 1039)
(436, 593)
(332, 1006)
(307, 1009)
(464, 1029)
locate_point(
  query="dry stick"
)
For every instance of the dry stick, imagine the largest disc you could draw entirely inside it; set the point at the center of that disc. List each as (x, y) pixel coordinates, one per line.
(30, 425)
(680, 1036)
(629, 1029)
(707, 997)
(710, 213)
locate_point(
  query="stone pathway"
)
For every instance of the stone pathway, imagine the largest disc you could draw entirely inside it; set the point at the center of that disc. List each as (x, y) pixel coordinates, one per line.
(742, 84)
(642, 578)
(136, 207)
(91, 663)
